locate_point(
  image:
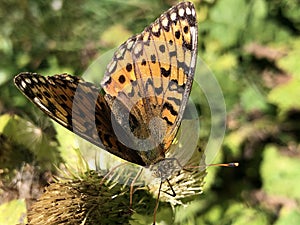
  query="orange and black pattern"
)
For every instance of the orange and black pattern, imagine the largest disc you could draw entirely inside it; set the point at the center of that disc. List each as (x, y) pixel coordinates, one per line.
(150, 76)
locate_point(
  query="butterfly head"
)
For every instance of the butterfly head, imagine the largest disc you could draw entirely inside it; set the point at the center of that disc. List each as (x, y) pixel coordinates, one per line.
(165, 168)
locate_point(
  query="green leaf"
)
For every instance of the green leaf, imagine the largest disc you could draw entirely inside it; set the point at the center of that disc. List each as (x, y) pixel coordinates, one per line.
(252, 100)
(286, 96)
(114, 35)
(230, 12)
(288, 216)
(32, 137)
(229, 19)
(222, 63)
(67, 144)
(278, 169)
(259, 9)
(6, 45)
(4, 119)
(235, 139)
(13, 212)
(246, 215)
(290, 63)
(75, 151)
(233, 213)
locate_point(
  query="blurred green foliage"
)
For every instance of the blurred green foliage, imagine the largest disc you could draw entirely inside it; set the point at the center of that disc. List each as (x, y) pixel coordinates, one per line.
(253, 48)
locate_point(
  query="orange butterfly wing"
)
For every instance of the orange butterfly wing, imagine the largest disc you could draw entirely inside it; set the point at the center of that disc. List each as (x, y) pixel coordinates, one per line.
(150, 76)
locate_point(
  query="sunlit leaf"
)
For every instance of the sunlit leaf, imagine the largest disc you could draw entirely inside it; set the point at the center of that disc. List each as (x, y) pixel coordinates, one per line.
(290, 63)
(252, 100)
(114, 35)
(278, 169)
(286, 96)
(289, 216)
(32, 137)
(13, 212)
(227, 26)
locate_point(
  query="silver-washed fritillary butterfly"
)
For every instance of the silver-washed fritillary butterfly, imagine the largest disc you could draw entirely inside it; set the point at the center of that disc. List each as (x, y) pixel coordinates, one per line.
(146, 88)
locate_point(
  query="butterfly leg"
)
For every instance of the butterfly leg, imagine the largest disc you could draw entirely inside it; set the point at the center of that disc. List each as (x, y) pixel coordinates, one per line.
(173, 194)
(157, 203)
(132, 184)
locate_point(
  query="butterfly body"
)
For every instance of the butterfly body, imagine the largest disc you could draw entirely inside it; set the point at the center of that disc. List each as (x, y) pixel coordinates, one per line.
(137, 111)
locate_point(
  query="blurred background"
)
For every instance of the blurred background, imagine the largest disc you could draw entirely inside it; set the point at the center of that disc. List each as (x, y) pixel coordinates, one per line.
(252, 47)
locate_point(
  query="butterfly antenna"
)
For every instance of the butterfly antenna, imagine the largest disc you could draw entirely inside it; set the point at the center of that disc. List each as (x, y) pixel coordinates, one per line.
(232, 164)
(157, 203)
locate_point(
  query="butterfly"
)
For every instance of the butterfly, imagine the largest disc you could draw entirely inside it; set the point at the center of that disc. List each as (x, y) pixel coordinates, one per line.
(137, 111)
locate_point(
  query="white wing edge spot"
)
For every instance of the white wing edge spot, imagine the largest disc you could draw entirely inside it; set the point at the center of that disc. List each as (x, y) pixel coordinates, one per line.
(120, 53)
(28, 81)
(173, 16)
(165, 22)
(181, 12)
(23, 85)
(137, 48)
(42, 79)
(111, 67)
(188, 11)
(38, 102)
(193, 12)
(105, 79)
(34, 79)
(129, 44)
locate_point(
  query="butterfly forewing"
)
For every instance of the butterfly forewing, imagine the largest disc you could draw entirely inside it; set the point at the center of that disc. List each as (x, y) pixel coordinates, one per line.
(152, 73)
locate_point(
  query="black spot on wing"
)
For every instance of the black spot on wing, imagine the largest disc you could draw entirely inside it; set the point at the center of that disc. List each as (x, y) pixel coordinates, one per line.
(168, 121)
(162, 48)
(173, 86)
(122, 79)
(46, 93)
(177, 34)
(128, 67)
(170, 108)
(165, 72)
(173, 54)
(64, 97)
(153, 58)
(175, 100)
(188, 46)
(157, 33)
(184, 67)
(186, 29)
(159, 90)
(131, 93)
(108, 81)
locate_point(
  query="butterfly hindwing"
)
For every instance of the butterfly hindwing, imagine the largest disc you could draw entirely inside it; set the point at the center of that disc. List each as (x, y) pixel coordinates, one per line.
(78, 106)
